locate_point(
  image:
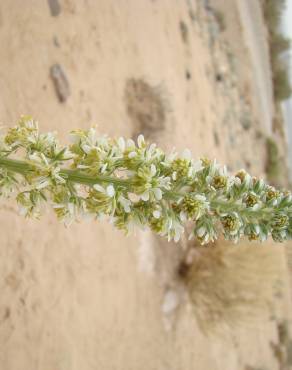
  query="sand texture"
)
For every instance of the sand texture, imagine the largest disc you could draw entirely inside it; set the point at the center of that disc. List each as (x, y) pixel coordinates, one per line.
(87, 297)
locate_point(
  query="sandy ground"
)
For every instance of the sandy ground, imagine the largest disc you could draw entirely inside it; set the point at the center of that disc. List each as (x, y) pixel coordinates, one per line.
(87, 297)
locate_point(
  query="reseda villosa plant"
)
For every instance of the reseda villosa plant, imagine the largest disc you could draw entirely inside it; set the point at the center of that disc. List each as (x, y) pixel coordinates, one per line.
(138, 185)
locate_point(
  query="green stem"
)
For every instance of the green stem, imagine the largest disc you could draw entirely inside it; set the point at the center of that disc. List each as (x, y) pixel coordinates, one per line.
(81, 178)
(23, 168)
(15, 165)
(263, 214)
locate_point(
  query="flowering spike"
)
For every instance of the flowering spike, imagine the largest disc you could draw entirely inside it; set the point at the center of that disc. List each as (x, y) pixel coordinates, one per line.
(138, 184)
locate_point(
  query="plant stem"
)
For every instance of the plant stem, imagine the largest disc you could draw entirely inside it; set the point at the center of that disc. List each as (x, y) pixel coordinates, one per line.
(75, 176)
(15, 165)
(81, 178)
(24, 167)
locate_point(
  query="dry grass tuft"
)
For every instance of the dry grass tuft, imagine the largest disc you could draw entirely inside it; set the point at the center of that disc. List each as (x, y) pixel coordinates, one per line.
(233, 284)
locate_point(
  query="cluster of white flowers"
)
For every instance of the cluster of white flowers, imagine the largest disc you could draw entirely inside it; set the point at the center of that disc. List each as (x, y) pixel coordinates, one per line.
(136, 184)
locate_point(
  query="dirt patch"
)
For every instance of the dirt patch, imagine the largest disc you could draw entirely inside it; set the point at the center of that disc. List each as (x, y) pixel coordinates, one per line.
(146, 107)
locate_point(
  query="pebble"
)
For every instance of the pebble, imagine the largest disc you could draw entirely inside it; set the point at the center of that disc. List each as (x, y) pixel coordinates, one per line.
(170, 302)
(55, 7)
(60, 81)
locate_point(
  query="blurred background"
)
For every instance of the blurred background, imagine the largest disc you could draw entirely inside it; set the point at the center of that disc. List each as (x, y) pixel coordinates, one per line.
(210, 75)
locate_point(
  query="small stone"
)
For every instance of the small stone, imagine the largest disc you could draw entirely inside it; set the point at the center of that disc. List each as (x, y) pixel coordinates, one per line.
(60, 82)
(55, 7)
(56, 42)
(188, 75)
(192, 15)
(219, 77)
(184, 32)
(216, 138)
(170, 302)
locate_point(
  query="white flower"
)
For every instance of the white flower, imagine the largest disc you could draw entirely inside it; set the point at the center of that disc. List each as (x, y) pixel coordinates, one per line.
(156, 214)
(145, 196)
(86, 148)
(171, 156)
(35, 157)
(197, 166)
(126, 203)
(257, 229)
(91, 135)
(141, 141)
(150, 152)
(103, 168)
(132, 154)
(234, 180)
(42, 184)
(157, 193)
(55, 173)
(110, 190)
(30, 124)
(176, 231)
(154, 185)
(122, 144)
(153, 169)
(205, 234)
(201, 231)
(173, 228)
(186, 154)
(44, 158)
(99, 188)
(130, 143)
(183, 216)
(204, 230)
